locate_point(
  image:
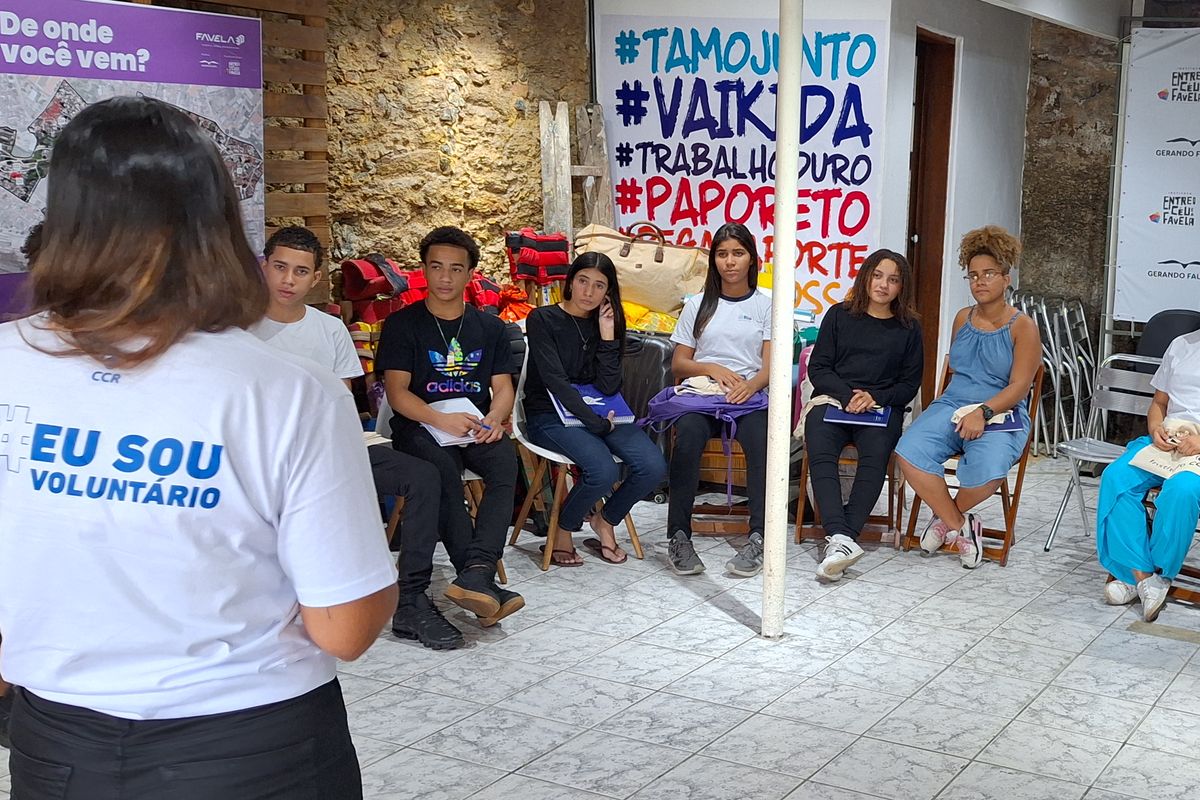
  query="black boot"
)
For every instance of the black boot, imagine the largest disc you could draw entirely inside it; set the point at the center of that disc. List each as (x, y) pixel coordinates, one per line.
(472, 590)
(418, 618)
(510, 603)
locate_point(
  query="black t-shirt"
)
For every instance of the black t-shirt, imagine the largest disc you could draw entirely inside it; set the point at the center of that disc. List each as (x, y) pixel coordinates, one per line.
(566, 350)
(444, 359)
(862, 352)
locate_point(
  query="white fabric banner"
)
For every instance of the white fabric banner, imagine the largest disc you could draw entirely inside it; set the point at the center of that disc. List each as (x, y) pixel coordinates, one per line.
(688, 91)
(1158, 240)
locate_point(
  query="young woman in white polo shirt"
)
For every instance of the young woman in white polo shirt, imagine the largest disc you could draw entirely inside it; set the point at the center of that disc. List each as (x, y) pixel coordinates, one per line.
(725, 334)
(188, 533)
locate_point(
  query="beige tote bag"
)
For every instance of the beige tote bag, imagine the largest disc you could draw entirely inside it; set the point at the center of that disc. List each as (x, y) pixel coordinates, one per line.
(652, 272)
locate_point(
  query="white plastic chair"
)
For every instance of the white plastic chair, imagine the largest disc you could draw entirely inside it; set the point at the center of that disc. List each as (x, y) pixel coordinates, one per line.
(1122, 391)
(542, 458)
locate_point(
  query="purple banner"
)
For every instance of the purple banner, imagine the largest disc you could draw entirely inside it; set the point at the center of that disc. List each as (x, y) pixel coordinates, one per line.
(122, 41)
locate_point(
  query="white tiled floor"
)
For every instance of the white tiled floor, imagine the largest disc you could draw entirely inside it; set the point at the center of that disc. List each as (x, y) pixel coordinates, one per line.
(911, 679)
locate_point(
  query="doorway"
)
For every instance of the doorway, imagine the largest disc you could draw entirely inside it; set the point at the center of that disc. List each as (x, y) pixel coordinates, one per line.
(929, 173)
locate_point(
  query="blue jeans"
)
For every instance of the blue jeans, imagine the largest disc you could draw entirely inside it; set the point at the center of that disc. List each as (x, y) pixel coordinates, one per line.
(644, 464)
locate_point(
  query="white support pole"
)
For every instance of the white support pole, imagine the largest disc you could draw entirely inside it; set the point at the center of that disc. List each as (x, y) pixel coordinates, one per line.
(783, 295)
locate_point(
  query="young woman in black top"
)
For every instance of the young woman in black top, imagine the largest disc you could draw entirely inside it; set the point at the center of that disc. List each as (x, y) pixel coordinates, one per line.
(580, 341)
(868, 354)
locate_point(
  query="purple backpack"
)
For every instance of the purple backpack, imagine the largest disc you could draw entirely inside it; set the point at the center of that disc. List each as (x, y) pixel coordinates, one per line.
(667, 407)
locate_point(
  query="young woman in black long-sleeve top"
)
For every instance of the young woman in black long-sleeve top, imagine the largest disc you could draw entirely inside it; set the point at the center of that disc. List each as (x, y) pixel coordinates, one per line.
(580, 341)
(868, 354)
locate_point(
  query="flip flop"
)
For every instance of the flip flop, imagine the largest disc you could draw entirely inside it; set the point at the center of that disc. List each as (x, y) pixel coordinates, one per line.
(597, 548)
(567, 553)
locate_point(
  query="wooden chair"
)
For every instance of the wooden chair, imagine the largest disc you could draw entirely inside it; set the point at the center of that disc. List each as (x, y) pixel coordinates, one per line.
(721, 519)
(1010, 497)
(880, 527)
(543, 459)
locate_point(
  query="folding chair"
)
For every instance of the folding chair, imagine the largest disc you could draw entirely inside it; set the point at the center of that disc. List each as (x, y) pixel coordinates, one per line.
(883, 526)
(1010, 497)
(543, 458)
(472, 488)
(1120, 391)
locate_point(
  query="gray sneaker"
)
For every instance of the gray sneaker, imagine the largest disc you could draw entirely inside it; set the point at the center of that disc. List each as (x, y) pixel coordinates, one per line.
(748, 562)
(682, 555)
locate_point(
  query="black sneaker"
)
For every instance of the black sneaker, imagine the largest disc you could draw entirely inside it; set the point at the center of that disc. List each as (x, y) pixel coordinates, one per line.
(510, 603)
(473, 590)
(6, 704)
(418, 618)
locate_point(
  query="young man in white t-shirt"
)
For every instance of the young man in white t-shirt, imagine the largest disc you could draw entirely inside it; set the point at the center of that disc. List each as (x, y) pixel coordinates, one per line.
(1144, 565)
(292, 267)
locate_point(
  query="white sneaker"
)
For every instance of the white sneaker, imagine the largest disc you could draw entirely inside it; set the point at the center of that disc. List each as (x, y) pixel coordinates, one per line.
(1119, 594)
(970, 543)
(934, 535)
(1153, 592)
(840, 553)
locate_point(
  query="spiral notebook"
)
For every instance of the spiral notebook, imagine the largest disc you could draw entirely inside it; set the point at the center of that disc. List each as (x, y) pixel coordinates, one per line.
(598, 402)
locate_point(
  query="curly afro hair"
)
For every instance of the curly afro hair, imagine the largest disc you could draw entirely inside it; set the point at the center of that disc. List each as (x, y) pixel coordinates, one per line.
(990, 240)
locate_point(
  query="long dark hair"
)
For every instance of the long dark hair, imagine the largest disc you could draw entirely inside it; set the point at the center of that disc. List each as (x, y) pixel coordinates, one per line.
(143, 240)
(859, 298)
(605, 266)
(712, 281)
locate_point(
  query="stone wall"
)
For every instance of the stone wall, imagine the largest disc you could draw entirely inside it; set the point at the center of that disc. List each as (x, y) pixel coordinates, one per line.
(1070, 121)
(433, 116)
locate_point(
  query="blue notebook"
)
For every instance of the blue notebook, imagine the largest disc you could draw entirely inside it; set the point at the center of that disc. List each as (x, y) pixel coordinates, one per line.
(1011, 422)
(875, 419)
(600, 403)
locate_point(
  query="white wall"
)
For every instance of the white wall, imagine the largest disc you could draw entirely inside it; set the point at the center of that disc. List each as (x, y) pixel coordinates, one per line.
(1097, 17)
(987, 146)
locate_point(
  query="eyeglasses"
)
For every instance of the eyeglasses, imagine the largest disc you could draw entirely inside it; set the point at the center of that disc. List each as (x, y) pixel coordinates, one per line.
(987, 276)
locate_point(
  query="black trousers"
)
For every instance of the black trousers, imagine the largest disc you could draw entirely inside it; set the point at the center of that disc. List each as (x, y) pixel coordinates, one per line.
(469, 544)
(824, 442)
(398, 474)
(298, 749)
(692, 432)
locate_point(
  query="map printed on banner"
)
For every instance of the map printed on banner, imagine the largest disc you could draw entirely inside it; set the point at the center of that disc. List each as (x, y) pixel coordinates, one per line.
(59, 56)
(1158, 238)
(689, 107)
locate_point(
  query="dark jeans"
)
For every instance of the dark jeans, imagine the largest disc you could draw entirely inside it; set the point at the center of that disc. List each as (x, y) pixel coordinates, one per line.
(692, 432)
(398, 474)
(824, 442)
(645, 467)
(298, 749)
(469, 544)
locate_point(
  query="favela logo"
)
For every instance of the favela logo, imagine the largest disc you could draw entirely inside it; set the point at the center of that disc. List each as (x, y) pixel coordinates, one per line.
(1178, 210)
(1164, 94)
(1156, 218)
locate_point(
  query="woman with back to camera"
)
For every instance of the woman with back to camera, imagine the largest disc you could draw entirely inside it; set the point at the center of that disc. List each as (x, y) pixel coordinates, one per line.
(724, 334)
(188, 533)
(995, 351)
(577, 342)
(868, 355)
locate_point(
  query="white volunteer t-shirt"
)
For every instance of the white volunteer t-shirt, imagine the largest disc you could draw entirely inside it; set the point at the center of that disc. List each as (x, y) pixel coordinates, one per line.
(160, 525)
(318, 336)
(733, 337)
(1179, 377)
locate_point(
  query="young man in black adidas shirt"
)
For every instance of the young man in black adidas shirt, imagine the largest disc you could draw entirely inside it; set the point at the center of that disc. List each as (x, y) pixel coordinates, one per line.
(443, 349)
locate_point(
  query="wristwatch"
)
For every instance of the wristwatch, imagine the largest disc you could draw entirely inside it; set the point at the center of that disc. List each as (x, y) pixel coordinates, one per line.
(987, 411)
